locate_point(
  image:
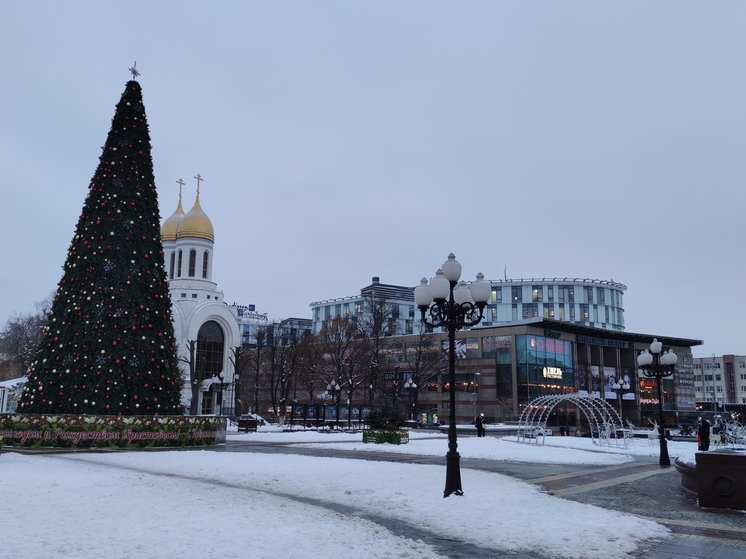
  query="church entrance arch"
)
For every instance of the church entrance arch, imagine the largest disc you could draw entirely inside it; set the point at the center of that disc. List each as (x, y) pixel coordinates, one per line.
(603, 420)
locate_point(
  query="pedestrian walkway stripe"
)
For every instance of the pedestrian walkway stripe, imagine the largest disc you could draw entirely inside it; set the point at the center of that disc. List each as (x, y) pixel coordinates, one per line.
(606, 483)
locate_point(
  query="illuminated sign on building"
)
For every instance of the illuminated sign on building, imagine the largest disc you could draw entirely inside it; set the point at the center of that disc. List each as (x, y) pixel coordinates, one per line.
(552, 372)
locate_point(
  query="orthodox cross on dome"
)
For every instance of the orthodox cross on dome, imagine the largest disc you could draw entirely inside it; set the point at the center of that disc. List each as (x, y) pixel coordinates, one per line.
(199, 179)
(181, 183)
(134, 71)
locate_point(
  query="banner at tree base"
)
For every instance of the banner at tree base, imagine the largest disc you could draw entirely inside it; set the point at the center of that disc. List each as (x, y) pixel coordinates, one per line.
(108, 431)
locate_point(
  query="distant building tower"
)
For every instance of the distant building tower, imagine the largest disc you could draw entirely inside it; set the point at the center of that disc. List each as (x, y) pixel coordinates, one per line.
(199, 312)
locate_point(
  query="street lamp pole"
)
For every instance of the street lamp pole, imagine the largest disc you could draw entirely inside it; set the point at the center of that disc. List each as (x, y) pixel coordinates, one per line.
(333, 389)
(620, 386)
(655, 365)
(411, 386)
(452, 305)
(475, 393)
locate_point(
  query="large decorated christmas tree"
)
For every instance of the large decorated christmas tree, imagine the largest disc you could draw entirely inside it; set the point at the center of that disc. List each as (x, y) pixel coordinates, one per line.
(109, 348)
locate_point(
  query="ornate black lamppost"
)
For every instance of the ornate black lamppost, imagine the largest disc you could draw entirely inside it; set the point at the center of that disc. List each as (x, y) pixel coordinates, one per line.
(410, 386)
(655, 365)
(219, 380)
(621, 386)
(452, 305)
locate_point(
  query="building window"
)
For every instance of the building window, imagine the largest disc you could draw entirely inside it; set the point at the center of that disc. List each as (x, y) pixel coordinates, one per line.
(548, 311)
(572, 313)
(697, 378)
(514, 315)
(395, 311)
(536, 294)
(178, 267)
(588, 294)
(550, 293)
(338, 310)
(497, 295)
(561, 312)
(516, 294)
(606, 314)
(171, 266)
(530, 310)
(601, 294)
(584, 313)
(192, 262)
(327, 312)
(194, 295)
(493, 311)
(205, 257)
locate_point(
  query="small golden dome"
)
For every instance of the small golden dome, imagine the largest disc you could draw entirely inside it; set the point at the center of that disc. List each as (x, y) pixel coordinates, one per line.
(170, 227)
(196, 224)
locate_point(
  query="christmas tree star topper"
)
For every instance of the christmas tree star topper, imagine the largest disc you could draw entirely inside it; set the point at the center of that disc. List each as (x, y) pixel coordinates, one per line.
(134, 71)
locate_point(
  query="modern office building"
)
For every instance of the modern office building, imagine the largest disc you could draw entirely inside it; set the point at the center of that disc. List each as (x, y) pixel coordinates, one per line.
(589, 302)
(400, 298)
(719, 381)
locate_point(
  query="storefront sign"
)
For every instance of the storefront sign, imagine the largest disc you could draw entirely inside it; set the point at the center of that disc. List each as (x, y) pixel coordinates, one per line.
(552, 372)
(603, 342)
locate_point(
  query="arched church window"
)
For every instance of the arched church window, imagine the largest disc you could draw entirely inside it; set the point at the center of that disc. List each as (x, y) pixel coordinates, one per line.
(205, 256)
(192, 262)
(210, 349)
(178, 267)
(171, 266)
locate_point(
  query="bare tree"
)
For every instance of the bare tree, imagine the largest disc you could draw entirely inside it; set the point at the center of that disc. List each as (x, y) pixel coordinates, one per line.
(241, 363)
(422, 363)
(377, 324)
(339, 355)
(20, 337)
(256, 357)
(307, 377)
(196, 374)
(283, 361)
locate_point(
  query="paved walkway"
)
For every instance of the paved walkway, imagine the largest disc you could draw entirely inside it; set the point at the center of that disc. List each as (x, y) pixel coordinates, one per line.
(641, 488)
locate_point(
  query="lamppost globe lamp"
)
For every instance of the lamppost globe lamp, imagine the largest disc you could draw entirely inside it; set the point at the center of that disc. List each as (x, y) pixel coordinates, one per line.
(446, 303)
(657, 365)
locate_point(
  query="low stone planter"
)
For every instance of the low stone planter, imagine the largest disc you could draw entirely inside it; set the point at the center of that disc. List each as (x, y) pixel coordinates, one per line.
(688, 473)
(381, 436)
(721, 479)
(718, 479)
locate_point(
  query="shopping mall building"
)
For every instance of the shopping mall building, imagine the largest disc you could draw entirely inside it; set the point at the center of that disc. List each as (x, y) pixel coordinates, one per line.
(500, 369)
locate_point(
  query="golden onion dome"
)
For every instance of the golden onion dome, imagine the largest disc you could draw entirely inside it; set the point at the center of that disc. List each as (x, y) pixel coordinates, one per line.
(196, 224)
(170, 227)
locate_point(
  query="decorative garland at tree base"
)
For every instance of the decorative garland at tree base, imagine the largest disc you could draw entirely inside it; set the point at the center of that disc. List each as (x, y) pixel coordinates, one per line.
(109, 431)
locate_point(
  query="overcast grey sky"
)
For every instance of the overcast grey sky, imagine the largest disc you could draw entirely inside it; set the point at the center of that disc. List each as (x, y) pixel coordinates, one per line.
(344, 140)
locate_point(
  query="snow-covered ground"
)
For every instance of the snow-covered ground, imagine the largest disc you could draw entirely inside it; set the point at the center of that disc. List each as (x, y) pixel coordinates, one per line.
(204, 504)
